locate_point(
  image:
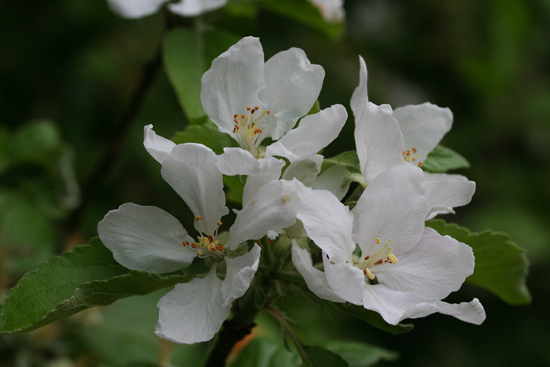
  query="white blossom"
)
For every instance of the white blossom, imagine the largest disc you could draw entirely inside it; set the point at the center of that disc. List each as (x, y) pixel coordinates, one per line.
(140, 8)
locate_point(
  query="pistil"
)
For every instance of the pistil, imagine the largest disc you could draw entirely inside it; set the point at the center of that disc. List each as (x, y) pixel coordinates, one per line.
(248, 127)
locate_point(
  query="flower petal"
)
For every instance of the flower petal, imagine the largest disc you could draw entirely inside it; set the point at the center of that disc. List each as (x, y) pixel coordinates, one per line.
(346, 280)
(195, 7)
(239, 274)
(315, 131)
(135, 8)
(423, 126)
(435, 267)
(359, 98)
(191, 171)
(289, 97)
(305, 169)
(156, 145)
(145, 238)
(275, 207)
(254, 183)
(378, 140)
(192, 312)
(327, 222)
(332, 179)
(331, 10)
(237, 161)
(315, 279)
(445, 192)
(392, 208)
(233, 83)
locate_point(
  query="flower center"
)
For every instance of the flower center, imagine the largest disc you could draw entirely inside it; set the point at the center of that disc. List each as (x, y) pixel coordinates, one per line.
(382, 256)
(248, 127)
(207, 246)
(411, 158)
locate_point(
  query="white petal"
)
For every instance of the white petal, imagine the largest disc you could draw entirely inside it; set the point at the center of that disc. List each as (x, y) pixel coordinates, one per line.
(434, 268)
(346, 280)
(423, 126)
(378, 140)
(394, 208)
(237, 161)
(332, 179)
(305, 169)
(239, 274)
(135, 8)
(359, 98)
(275, 207)
(191, 171)
(192, 312)
(315, 279)
(331, 10)
(156, 145)
(315, 131)
(327, 222)
(445, 192)
(292, 84)
(471, 312)
(145, 238)
(195, 7)
(254, 183)
(233, 83)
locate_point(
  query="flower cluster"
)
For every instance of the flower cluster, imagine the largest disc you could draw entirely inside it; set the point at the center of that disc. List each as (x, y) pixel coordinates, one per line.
(379, 255)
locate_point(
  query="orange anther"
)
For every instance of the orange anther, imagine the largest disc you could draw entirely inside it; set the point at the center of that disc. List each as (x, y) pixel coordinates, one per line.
(268, 112)
(220, 248)
(198, 217)
(419, 164)
(185, 243)
(248, 108)
(211, 239)
(367, 257)
(408, 153)
(414, 150)
(256, 108)
(379, 262)
(194, 245)
(242, 116)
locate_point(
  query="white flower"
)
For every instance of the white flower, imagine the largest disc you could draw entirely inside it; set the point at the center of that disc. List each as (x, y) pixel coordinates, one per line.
(402, 270)
(149, 239)
(141, 8)
(385, 138)
(331, 10)
(251, 100)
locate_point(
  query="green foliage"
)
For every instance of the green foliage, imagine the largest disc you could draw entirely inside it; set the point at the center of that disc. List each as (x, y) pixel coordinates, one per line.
(347, 159)
(321, 357)
(262, 352)
(304, 12)
(443, 159)
(187, 55)
(72, 282)
(371, 317)
(360, 354)
(204, 134)
(501, 265)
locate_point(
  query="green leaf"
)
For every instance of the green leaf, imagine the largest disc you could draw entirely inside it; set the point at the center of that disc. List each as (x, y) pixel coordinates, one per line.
(187, 55)
(321, 357)
(203, 134)
(358, 354)
(72, 282)
(33, 140)
(371, 317)
(262, 352)
(347, 159)
(304, 12)
(501, 265)
(443, 159)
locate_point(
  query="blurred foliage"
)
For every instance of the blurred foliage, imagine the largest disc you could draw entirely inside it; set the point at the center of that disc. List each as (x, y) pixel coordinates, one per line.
(76, 63)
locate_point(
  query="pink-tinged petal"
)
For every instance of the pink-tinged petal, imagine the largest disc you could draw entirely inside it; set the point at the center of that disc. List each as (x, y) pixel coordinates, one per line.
(445, 192)
(315, 131)
(191, 8)
(237, 161)
(292, 85)
(315, 279)
(191, 171)
(332, 179)
(145, 238)
(305, 169)
(378, 140)
(433, 269)
(233, 83)
(392, 208)
(346, 280)
(156, 145)
(134, 9)
(240, 272)
(360, 98)
(192, 312)
(327, 222)
(275, 207)
(423, 126)
(395, 306)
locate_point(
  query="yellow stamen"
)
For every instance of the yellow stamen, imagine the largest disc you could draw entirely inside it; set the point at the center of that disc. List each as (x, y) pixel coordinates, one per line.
(377, 241)
(286, 199)
(369, 273)
(198, 217)
(392, 258)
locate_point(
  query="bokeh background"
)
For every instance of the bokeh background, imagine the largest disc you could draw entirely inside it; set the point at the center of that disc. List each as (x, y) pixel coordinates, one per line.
(68, 69)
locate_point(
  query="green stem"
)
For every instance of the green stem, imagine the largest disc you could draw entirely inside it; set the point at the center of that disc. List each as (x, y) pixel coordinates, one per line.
(290, 331)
